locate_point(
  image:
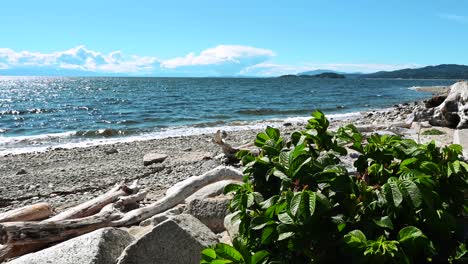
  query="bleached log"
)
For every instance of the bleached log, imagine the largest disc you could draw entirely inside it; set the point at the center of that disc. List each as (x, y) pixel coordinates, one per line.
(177, 194)
(93, 206)
(131, 200)
(12, 251)
(27, 233)
(46, 232)
(37, 211)
(228, 150)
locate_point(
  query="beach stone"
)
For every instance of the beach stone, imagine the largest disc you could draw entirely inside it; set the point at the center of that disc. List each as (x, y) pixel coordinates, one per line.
(210, 211)
(231, 227)
(22, 171)
(178, 240)
(151, 158)
(111, 151)
(102, 246)
(453, 112)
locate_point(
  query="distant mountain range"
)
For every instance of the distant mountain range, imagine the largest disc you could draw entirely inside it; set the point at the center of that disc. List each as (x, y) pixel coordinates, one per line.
(442, 71)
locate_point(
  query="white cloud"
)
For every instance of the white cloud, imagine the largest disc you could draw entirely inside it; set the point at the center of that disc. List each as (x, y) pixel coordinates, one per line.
(222, 60)
(222, 54)
(78, 58)
(272, 69)
(454, 17)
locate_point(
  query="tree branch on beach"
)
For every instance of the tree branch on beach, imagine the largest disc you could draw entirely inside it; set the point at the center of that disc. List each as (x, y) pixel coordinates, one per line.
(20, 238)
(228, 150)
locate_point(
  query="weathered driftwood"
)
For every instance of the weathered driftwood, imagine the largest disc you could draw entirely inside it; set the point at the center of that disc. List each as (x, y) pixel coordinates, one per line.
(11, 251)
(46, 232)
(228, 150)
(130, 201)
(26, 233)
(37, 211)
(177, 194)
(95, 205)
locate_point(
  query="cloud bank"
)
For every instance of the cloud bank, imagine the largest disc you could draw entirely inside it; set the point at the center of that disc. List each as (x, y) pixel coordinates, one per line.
(222, 60)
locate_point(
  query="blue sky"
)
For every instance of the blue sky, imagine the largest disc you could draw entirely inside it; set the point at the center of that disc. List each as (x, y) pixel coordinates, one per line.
(225, 38)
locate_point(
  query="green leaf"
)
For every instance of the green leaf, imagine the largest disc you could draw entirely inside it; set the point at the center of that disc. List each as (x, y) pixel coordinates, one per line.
(295, 203)
(208, 254)
(258, 222)
(269, 202)
(285, 218)
(228, 252)
(284, 236)
(384, 222)
(273, 133)
(323, 200)
(411, 192)
(356, 239)
(409, 233)
(267, 235)
(284, 231)
(232, 187)
(250, 199)
(259, 257)
(392, 192)
(311, 202)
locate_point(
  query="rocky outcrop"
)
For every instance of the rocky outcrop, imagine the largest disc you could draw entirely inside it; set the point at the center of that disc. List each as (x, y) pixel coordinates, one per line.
(453, 112)
(102, 246)
(178, 240)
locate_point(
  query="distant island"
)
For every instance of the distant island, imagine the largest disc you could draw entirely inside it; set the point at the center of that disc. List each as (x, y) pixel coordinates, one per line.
(327, 75)
(442, 71)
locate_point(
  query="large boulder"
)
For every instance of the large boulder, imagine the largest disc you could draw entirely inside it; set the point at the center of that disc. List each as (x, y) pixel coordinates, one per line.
(178, 240)
(102, 246)
(453, 112)
(210, 211)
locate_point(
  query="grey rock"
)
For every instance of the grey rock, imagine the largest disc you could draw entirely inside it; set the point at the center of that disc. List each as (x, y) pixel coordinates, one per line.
(151, 158)
(231, 227)
(111, 151)
(22, 171)
(453, 112)
(102, 246)
(178, 240)
(210, 211)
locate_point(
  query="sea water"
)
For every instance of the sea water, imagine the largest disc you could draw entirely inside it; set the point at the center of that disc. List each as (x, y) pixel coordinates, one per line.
(37, 113)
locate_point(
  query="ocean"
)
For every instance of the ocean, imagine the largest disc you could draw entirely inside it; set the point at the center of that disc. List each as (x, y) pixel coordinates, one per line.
(37, 113)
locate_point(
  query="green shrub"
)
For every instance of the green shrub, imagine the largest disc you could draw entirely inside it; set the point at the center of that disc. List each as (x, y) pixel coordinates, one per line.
(405, 203)
(432, 132)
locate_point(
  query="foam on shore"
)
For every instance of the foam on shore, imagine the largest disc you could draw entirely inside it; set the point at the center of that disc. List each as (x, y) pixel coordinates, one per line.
(79, 139)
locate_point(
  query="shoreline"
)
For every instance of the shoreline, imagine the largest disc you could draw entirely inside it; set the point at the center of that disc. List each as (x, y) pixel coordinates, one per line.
(66, 177)
(162, 134)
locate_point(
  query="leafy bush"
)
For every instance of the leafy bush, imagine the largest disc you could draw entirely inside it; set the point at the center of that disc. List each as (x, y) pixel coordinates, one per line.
(432, 132)
(405, 202)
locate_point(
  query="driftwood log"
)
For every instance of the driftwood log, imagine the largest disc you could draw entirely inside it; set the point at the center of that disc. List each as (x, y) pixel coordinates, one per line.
(95, 205)
(28, 213)
(228, 150)
(177, 194)
(20, 238)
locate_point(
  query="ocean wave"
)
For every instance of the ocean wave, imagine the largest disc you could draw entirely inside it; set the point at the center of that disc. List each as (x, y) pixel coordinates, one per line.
(27, 111)
(267, 111)
(87, 138)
